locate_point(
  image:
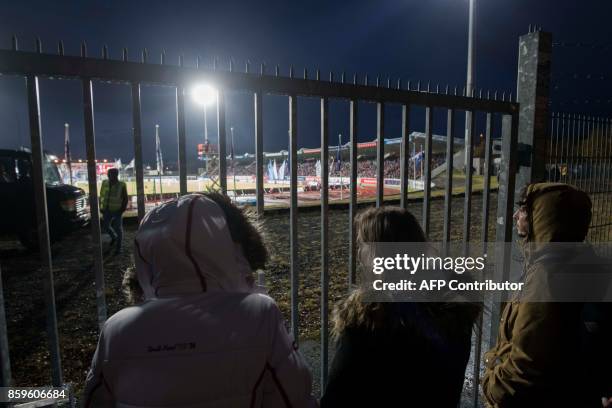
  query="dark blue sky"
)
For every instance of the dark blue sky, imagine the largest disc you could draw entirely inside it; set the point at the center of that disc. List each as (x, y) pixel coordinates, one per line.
(416, 40)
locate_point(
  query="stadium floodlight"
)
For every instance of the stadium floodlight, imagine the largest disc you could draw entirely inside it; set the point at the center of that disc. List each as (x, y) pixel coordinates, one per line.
(204, 94)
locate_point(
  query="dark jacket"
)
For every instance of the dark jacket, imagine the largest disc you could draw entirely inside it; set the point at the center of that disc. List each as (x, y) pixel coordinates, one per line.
(538, 361)
(399, 354)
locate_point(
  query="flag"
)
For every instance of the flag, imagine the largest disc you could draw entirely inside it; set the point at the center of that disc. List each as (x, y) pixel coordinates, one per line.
(339, 154)
(158, 152)
(289, 168)
(270, 171)
(130, 165)
(418, 158)
(274, 169)
(318, 168)
(281, 171)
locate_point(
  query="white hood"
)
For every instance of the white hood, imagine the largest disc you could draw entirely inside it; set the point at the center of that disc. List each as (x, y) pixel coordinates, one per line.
(184, 247)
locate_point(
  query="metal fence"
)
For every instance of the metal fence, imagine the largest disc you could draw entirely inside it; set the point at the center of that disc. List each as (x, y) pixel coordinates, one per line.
(580, 153)
(34, 65)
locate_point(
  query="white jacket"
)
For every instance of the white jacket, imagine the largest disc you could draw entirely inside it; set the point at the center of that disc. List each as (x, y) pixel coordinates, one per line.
(202, 338)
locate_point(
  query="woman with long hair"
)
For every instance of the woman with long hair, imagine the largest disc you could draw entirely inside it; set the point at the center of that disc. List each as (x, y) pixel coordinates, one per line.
(394, 354)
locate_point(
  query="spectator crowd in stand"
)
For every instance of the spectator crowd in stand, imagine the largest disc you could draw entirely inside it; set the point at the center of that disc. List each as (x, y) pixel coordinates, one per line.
(365, 167)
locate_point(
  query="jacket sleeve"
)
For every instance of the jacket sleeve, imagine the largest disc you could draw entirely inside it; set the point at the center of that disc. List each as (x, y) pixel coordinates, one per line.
(124, 197)
(287, 380)
(539, 348)
(97, 393)
(102, 195)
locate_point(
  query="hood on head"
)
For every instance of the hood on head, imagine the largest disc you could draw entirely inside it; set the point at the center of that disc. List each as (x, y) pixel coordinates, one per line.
(557, 213)
(184, 247)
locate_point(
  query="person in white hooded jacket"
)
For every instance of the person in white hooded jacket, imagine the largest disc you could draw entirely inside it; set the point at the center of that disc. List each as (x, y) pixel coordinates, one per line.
(203, 337)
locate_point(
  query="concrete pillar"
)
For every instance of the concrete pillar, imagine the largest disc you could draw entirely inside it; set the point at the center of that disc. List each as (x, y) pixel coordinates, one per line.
(533, 93)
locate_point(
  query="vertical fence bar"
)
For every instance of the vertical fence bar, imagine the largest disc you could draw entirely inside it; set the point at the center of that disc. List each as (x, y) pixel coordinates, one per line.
(137, 129)
(353, 203)
(601, 166)
(180, 132)
(597, 191)
(584, 156)
(605, 162)
(259, 176)
(293, 214)
(580, 151)
(550, 150)
(592, 185)
(427, 171)
(591, 147)
(568, 151)
(559, 145)
(324, 241)
(42, 219)
(505, 209)
(584, 123)
(221, 129)
(602, 189)
(557, 159)
(5, 360)
(467, 204)
(562, 152)
(572, 178)
(607, 171)
(576, 152)
(90, 145)
(405, 156)
(607, 168)
(380, 153)
(605, 180)
(593, 142)
(448, 195)
(485, 239)
(487, 182)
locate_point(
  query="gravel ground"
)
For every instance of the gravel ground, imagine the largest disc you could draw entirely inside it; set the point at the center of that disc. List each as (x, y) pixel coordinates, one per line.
(75, 294)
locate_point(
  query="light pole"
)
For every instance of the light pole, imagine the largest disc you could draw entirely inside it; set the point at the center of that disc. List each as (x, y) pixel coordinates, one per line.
(469, 85)
(233, 158)
(206, 143)
(205, 95)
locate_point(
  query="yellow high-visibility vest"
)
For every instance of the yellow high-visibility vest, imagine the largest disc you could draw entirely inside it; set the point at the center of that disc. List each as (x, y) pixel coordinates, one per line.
(111, 197)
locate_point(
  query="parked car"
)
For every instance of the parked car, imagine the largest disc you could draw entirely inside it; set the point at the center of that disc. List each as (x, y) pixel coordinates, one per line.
(67, 206)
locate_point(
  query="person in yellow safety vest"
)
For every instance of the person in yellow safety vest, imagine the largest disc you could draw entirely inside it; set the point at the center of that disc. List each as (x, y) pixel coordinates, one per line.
(113, 202)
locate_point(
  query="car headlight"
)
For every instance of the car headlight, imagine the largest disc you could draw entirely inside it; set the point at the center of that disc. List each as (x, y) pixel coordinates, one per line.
(68, 205)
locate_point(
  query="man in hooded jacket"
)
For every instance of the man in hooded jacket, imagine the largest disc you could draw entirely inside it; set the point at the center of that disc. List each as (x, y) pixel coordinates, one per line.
(537, 360)
(202, 337)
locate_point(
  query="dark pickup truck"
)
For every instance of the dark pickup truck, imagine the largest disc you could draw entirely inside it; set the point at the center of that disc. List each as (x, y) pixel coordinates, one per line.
(67, 206)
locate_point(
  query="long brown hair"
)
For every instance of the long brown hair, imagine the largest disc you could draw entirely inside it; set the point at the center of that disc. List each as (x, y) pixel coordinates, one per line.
(388, 224)
(393, 224)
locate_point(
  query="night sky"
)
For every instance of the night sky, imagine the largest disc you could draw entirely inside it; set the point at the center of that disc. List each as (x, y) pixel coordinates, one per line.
(412, 40)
